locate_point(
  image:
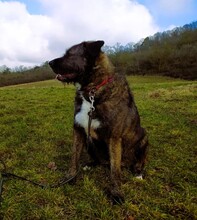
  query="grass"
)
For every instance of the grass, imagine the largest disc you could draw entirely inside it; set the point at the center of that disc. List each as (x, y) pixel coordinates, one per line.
(36, 129)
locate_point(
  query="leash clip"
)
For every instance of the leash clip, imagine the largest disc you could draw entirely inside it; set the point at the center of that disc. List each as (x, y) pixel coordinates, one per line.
(91, 98)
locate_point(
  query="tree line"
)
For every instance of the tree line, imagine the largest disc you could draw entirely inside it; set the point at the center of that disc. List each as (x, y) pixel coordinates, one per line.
(171, 53)
(24, 75)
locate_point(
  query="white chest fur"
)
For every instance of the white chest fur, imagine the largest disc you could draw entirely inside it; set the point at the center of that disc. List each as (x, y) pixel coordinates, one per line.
(82, 117)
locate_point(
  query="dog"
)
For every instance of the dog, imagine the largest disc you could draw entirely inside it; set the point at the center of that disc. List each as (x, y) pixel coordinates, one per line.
(106, 119)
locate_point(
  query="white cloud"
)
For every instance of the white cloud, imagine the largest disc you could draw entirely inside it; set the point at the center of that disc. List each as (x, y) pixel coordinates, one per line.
(24, 37)
(114, 20)
(32, 39)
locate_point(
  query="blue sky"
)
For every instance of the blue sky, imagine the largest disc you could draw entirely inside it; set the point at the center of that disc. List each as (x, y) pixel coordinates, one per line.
(172, 12)
(33, 31)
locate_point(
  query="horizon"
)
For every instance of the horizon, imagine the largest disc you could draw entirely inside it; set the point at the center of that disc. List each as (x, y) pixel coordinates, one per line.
(39, 30)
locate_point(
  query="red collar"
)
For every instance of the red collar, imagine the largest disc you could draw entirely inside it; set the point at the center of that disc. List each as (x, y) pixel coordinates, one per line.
(104, 82)
(93, 89)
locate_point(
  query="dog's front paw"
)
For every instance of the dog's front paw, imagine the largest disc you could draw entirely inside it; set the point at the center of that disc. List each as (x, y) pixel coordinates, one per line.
(139, 177)
(90, 165)
(87, 168)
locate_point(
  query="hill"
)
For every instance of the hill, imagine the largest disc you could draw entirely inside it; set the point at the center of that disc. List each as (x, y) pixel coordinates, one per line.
(36, 132)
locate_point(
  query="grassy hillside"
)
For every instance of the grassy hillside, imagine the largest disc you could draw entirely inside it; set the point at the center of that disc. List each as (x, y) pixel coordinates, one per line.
(36, 129)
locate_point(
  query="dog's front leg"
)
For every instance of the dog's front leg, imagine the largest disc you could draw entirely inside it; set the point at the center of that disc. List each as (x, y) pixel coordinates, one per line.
(115, 149)
(78, 144)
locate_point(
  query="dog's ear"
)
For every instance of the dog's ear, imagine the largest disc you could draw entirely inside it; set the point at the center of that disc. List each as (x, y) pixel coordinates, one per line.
(93, 48)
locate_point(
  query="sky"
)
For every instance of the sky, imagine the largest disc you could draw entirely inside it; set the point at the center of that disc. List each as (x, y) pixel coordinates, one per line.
(35, 31)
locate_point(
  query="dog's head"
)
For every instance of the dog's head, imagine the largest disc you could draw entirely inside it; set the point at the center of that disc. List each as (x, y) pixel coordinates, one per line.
(78, 62)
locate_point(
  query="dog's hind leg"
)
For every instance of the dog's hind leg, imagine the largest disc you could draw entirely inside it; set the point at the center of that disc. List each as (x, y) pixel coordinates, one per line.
(140, 155)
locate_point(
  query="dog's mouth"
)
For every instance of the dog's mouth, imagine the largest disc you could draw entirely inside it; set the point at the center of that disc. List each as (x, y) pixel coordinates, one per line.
(68, 77)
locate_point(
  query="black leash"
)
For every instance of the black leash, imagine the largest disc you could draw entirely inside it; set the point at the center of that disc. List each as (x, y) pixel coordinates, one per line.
(2, 179)
(4, 175)
(90, 115)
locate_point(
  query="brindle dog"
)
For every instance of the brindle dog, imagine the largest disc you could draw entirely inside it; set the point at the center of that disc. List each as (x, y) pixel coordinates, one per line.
(106, 119)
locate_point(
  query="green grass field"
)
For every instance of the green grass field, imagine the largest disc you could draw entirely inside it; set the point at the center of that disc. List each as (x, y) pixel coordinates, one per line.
(36, 129)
